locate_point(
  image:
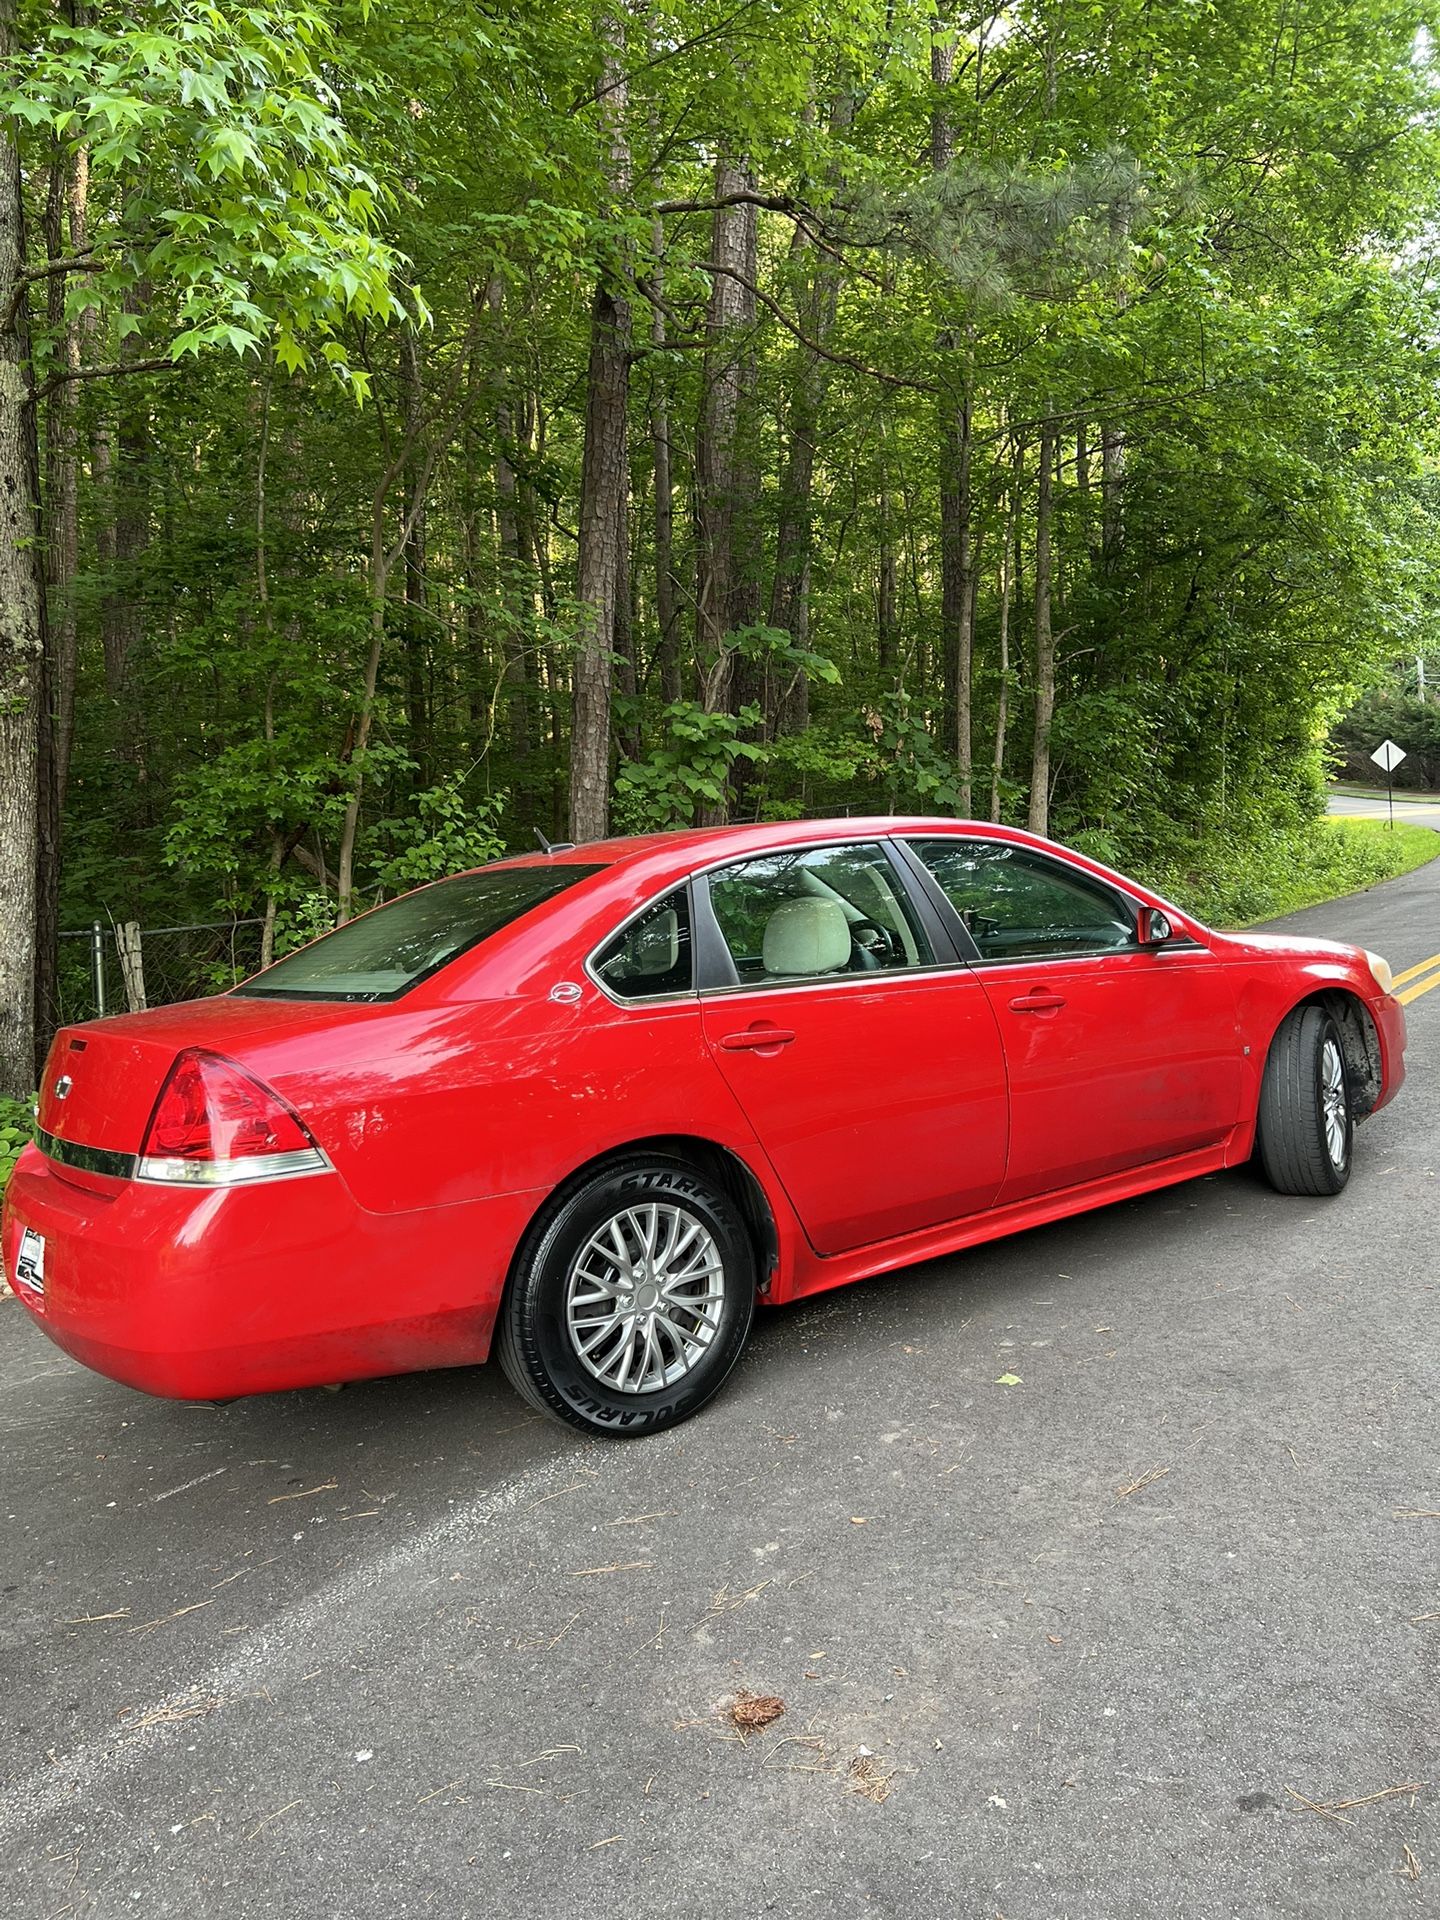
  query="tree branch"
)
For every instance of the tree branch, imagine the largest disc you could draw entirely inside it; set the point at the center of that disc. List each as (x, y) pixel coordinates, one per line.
(47, 270)
(824, 353)
(161, 363)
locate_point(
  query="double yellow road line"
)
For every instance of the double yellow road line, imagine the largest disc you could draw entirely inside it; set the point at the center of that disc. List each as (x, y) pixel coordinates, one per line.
(1430, 968)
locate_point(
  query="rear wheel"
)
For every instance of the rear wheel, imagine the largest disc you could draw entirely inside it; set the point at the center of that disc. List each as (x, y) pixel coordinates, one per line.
(1306, 1129)
(631, 1300)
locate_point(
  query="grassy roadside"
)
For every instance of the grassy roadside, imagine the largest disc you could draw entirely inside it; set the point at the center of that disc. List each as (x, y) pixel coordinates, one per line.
(1236, 886)
(1353, 790)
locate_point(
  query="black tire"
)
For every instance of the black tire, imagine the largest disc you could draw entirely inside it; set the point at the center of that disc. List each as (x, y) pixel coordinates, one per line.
(535, 1343)
(1300, 1150)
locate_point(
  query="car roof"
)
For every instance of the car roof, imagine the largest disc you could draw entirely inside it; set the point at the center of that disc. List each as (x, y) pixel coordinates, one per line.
(689, 846)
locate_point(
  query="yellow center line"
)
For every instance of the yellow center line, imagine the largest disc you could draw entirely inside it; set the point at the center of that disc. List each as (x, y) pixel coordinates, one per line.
(1413, 973)
(1414, 993)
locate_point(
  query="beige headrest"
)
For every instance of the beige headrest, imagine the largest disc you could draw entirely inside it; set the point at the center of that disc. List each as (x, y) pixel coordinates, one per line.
(806, 936)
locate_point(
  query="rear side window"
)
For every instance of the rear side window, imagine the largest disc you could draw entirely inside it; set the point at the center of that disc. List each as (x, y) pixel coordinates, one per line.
(385, 953)
(653, 954)
(814, 911)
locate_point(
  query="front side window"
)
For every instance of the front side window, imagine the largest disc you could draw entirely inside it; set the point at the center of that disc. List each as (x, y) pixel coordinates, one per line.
(1020, 905)
(384, 953)
(816, 911)
(652, 955)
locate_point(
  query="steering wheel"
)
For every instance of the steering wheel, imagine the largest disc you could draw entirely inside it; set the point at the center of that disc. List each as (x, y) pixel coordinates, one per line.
(882, 944)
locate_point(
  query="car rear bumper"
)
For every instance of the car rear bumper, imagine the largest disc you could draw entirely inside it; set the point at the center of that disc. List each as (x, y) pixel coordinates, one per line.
(197, 1294)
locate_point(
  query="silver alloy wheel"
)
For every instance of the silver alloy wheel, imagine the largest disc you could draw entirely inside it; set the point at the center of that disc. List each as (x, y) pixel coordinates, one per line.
(644, 1298)
(1332, 1101)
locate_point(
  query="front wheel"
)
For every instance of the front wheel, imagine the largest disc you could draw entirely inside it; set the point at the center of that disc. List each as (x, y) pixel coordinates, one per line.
(631, 1300)
(1306, 1129)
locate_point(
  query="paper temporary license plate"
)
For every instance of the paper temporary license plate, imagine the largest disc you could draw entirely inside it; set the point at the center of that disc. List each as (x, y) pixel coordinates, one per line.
(30, 1261)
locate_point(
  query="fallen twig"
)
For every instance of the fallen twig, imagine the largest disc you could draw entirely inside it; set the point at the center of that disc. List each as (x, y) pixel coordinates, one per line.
(165, 1618)
(798, 1740)
(1147, 1479)
(1312, 1806)
(325, 1486)
(1385, 1793)
(436, 1792)
(163, 1716)
(269, 1817)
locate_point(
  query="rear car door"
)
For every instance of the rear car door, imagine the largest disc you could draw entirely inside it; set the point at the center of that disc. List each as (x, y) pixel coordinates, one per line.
(865, 1055)
(1117, 1054)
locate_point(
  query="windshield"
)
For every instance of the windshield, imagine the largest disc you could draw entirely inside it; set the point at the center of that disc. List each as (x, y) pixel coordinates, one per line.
(393, 948)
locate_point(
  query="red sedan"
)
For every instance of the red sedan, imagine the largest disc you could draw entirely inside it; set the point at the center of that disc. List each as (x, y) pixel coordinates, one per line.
(592, 1104)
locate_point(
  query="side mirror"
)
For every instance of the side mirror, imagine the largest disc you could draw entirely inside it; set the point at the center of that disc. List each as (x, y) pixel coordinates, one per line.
(1153, 928)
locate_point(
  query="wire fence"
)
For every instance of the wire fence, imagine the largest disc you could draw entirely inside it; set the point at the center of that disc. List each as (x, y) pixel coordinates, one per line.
(122, 968)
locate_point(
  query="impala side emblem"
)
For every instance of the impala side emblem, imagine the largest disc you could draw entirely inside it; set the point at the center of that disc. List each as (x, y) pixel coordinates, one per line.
(567, 992)
(63, 1086)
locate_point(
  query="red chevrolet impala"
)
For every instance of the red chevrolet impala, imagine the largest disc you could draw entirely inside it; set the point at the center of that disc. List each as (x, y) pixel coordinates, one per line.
(592, 1104)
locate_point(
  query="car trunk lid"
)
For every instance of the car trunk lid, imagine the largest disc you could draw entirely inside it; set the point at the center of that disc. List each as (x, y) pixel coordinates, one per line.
(102, 1079)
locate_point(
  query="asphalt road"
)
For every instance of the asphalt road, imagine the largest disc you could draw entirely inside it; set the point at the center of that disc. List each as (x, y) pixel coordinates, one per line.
(1420, 812)
(404, 1650)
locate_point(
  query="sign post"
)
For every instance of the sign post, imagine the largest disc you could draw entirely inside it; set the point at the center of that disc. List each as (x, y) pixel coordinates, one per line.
(1389, 756)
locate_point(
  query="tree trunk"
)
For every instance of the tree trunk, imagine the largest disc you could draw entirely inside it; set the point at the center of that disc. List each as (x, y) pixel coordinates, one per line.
(942, 73)
(627, 678)
(382, 559)
(417, 691)
(604, 475)
(729, 317)
(667, 589)
(69, 179)
(1039, 817)
(121, 610)
(1112, 469)
(887, 607)
(1007, 583)
(69, 194)
(515, 597)
(957, 586)
(22, 633)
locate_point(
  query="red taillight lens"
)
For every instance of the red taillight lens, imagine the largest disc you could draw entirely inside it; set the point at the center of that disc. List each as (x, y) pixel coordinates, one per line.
(214, 1123)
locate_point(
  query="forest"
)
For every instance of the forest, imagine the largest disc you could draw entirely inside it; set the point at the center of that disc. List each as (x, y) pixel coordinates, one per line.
(424, 425)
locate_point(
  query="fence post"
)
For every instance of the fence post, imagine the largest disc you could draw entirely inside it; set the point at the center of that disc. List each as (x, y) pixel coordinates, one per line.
(132, 964)
(97, 967)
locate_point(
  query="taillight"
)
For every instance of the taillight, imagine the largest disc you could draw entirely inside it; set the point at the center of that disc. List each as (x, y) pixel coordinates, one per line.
(214, 1124)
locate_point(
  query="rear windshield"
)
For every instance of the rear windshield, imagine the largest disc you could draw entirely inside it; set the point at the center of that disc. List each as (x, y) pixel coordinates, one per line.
(392, 949)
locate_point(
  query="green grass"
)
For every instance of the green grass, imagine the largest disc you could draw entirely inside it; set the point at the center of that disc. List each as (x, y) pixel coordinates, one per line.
(1233, 885)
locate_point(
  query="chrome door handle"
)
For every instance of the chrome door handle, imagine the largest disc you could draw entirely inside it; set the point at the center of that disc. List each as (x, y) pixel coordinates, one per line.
(1038, 1001)
(754, 1038)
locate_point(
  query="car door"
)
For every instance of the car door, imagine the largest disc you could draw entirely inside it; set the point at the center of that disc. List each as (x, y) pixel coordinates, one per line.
(1117, 1054)
(865, 1055)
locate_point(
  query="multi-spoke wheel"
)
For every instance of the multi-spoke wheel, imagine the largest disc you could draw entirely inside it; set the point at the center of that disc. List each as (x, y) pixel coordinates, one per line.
(631, 1300)
(1307, 1129)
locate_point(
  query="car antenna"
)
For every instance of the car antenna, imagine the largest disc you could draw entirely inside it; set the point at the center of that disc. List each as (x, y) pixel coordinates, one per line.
(553, 846)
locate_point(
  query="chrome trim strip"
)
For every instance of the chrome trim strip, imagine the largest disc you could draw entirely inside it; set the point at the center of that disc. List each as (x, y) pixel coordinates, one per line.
(879, 977)
(290, 1165)
(899, 838)
(645, 999)
(70, 1153)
